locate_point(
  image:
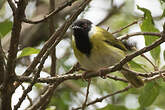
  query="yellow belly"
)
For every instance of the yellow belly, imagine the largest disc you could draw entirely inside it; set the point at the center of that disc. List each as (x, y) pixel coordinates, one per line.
(102, 55)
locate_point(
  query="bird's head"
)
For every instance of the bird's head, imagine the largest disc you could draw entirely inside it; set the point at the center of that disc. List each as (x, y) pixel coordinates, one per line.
(82, 25)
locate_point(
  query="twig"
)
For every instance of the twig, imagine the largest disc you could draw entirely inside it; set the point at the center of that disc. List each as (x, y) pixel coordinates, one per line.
(32, 83)
(44, 97)
(114, 10)
(12, 5)
(76, 67)
(116, 67)
(139, 33)
(154, 77)
(87, 93)
(44, 100)
(76, 76)
(15, 34)
(116, 78)
(135, 22)
(155, 67)
(52, 29)
(30, 100)
(2, 65)
(54, 12)
(104, 97)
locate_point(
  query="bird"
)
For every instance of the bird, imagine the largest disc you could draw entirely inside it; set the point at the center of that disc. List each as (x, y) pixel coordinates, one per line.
(96, 48)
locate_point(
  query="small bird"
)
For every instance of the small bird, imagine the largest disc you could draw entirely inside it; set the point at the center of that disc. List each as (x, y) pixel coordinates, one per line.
(95, 48)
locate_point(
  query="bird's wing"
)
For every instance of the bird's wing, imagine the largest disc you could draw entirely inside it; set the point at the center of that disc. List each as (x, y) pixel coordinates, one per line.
(110, 39)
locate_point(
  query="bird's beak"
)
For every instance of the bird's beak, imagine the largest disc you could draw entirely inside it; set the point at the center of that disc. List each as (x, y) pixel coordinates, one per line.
(74, 27)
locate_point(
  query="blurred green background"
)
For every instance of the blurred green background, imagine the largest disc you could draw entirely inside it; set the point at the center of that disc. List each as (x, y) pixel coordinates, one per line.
(112, 14)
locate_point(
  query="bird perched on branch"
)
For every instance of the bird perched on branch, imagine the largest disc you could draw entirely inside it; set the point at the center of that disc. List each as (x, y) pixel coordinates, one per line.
(96, 48)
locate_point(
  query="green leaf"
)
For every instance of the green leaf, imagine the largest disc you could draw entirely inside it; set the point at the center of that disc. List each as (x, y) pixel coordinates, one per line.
(28, 51)
(148, 26)
(5, 27)
(149, 94)
(61, 99)
(113, 107)
(51, 108)
(164, 54)
(163, 14)
(163, 67)
(162, 1)
(136, 66)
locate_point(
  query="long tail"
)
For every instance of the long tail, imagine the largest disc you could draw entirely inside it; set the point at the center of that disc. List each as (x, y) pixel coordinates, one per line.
(132, 78)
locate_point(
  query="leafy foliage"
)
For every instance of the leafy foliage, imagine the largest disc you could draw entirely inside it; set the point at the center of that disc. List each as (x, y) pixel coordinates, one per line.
(149, 94)
(113, 107)
(5, 27)
(148, 26)
(28, 51)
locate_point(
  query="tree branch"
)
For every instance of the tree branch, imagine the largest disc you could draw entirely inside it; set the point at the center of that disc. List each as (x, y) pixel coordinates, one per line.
(116, 78)
(135, 22)
(26, 91)
(54, 12)
(87, 93)
(116, 67)
(8, 88)
(2, 64)
(139, 33)
(12, 5)
(44, 97)
(52, 29)
(104, 97)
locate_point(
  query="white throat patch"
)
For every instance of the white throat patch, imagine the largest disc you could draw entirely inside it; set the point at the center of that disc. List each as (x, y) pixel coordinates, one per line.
(92, 31)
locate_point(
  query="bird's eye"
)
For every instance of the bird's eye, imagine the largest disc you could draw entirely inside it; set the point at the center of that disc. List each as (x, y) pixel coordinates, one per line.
(85, 25)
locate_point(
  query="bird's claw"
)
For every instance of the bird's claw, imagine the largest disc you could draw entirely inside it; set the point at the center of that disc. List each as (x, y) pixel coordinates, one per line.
(104, 76)
(84, 76)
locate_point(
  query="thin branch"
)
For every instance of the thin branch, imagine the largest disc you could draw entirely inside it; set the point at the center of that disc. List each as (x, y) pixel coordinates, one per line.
(116, 78)
(134, 22)
(114, 10)
(104, 97)
(139, 33)
(87, 93)
(12, 5)
(44, 97)
(54, 12)
(15, 34)
(52, 29)
(116, 67)
(154, 77)
(30, 100)
(79, 76)
(155, 67)
(36, 75)
(76, 67)
(146, 75)
(2, 64)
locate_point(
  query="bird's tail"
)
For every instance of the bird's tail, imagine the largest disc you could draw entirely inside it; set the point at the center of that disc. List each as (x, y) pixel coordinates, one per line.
(132, 78)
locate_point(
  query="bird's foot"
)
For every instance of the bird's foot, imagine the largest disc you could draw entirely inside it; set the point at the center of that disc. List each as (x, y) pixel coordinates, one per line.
(101, 73)
(84, 76)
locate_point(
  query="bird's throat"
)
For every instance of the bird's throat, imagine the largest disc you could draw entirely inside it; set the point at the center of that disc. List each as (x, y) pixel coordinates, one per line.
(83, 43)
